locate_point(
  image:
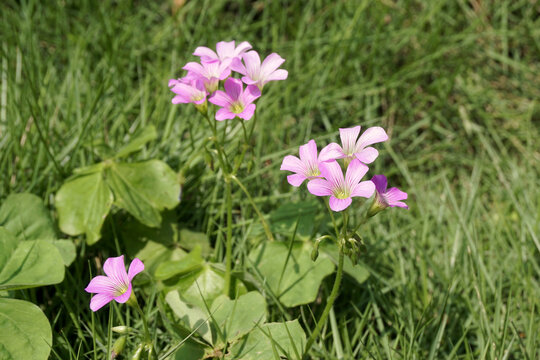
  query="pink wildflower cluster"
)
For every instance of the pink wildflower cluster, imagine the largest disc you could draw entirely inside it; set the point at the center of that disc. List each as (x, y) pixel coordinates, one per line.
(202, 79)
(325, 175)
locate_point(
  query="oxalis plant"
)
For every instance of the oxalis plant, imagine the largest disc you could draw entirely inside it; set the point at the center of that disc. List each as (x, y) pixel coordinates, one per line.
(325, 178)
(224, 87)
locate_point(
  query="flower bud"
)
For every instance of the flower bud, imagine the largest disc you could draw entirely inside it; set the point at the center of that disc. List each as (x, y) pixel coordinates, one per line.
(138, 352)
(118, 347)
(377, 205)
(122, 329)
(315, 251)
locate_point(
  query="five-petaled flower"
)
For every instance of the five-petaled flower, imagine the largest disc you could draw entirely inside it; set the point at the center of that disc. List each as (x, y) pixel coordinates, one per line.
(386, 198)
(116, 285)
(259, 74)
(341, 189)
(307, 167)
(209, 72)
(235, 101)
(351, 148)
(225, 50)
(188, 90)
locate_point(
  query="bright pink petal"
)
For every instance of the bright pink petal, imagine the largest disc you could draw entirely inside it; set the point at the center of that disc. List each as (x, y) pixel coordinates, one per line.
(179, 99)
(253, 64)
(224, 114)
(308, 154)
(233, 88)
(333, 173)
(173, 82)
(196, 69)
(296, 179)
(248, 81)
(363, 189)
(355, 172)
(248, 112)
(225, 49)
(224, 69)
(101, 284)
(206, 53)
(339, 204)
(236, 65)
(331, 152)
(125, 296)
(367, 155)
(400, 204)
(375, 134)
(99, 300)
(394, 194)
(270, 64)
(380, 182)
(251, 94)
(292, 163)
(242, 48)
(279, 74)
(115, 269)
(348, 139)
(220, 98)
(135, 267)
(320, 187)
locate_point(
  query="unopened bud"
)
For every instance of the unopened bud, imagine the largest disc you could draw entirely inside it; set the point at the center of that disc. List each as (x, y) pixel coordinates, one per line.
(118, 347)
(377, 205)
(138, 352)
(122, 329)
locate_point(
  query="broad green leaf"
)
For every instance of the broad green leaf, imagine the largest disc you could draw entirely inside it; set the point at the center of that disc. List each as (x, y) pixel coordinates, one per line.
(25, 216)
(30, 263)
(191, 239)
(190, 316)
(286, 339)
(8, 244)
(294, 278)
(189, 350)
(144, 189)
(358, 272)
(25, 332)
(138, 141)
(283, 219)
(192, 262)
(235, 318)
(83, 204)
(67, 250)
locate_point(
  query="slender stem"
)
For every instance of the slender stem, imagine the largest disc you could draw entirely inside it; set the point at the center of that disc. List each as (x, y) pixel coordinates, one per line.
(228, 249)
(326, 202)
(329, 304)
(261, 217)
(148, 339)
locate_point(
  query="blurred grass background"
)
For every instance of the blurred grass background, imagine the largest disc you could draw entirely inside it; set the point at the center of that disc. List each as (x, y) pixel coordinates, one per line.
(455, 83)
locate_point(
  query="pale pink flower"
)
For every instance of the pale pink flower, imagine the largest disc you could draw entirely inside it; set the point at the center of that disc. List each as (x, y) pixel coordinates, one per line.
(307, 167)
(116, 285)
(225, 50)
(341, 189)
(234, 101)
(209, 72)
(188, 90)
(259, 74)
(351, 148)
(388, 198)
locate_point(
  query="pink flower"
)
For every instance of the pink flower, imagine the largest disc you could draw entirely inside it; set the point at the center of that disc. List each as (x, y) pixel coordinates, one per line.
(116, 285)
(340, 189)
(388, 198)
(235, 101)
(209, 72)
(188, 90)
(307, 167)
(225, 50)
(351, 148)
(259, 74)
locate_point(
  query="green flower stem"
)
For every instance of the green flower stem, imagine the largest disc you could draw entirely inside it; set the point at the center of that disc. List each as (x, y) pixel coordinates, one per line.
(329, 304)
(261, 217)
(228, 249)
(148, 339)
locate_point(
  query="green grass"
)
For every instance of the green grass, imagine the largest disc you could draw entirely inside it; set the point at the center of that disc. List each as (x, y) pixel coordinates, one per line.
(456, 84)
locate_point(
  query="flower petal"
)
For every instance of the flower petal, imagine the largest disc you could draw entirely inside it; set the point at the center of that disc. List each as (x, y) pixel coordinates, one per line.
(206, 53)
(308, 154)
(248, 81)
(101, 284)
(367, 155)
(135, 267)
(242, 48)
(248, 112)
(363, 189)
(331, 152)
(115, 269)
(380, 182)
(355, 172)
(99, 300)
(253, 64)
(125, 296)
(224, 114)
(220, 98)
(196, 69)
(348, 139)
(270, 64)
(333, 173)
(292, 163)
(236, 65)
(394, 195)
(279, 74)
(375, 134)
(225, 49)
(339, 204)
(320, 187)
(251, 94)
(296, 179)
(233, 88)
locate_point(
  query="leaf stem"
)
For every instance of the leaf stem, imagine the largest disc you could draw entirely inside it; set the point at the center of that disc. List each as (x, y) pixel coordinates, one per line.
(228, 248)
